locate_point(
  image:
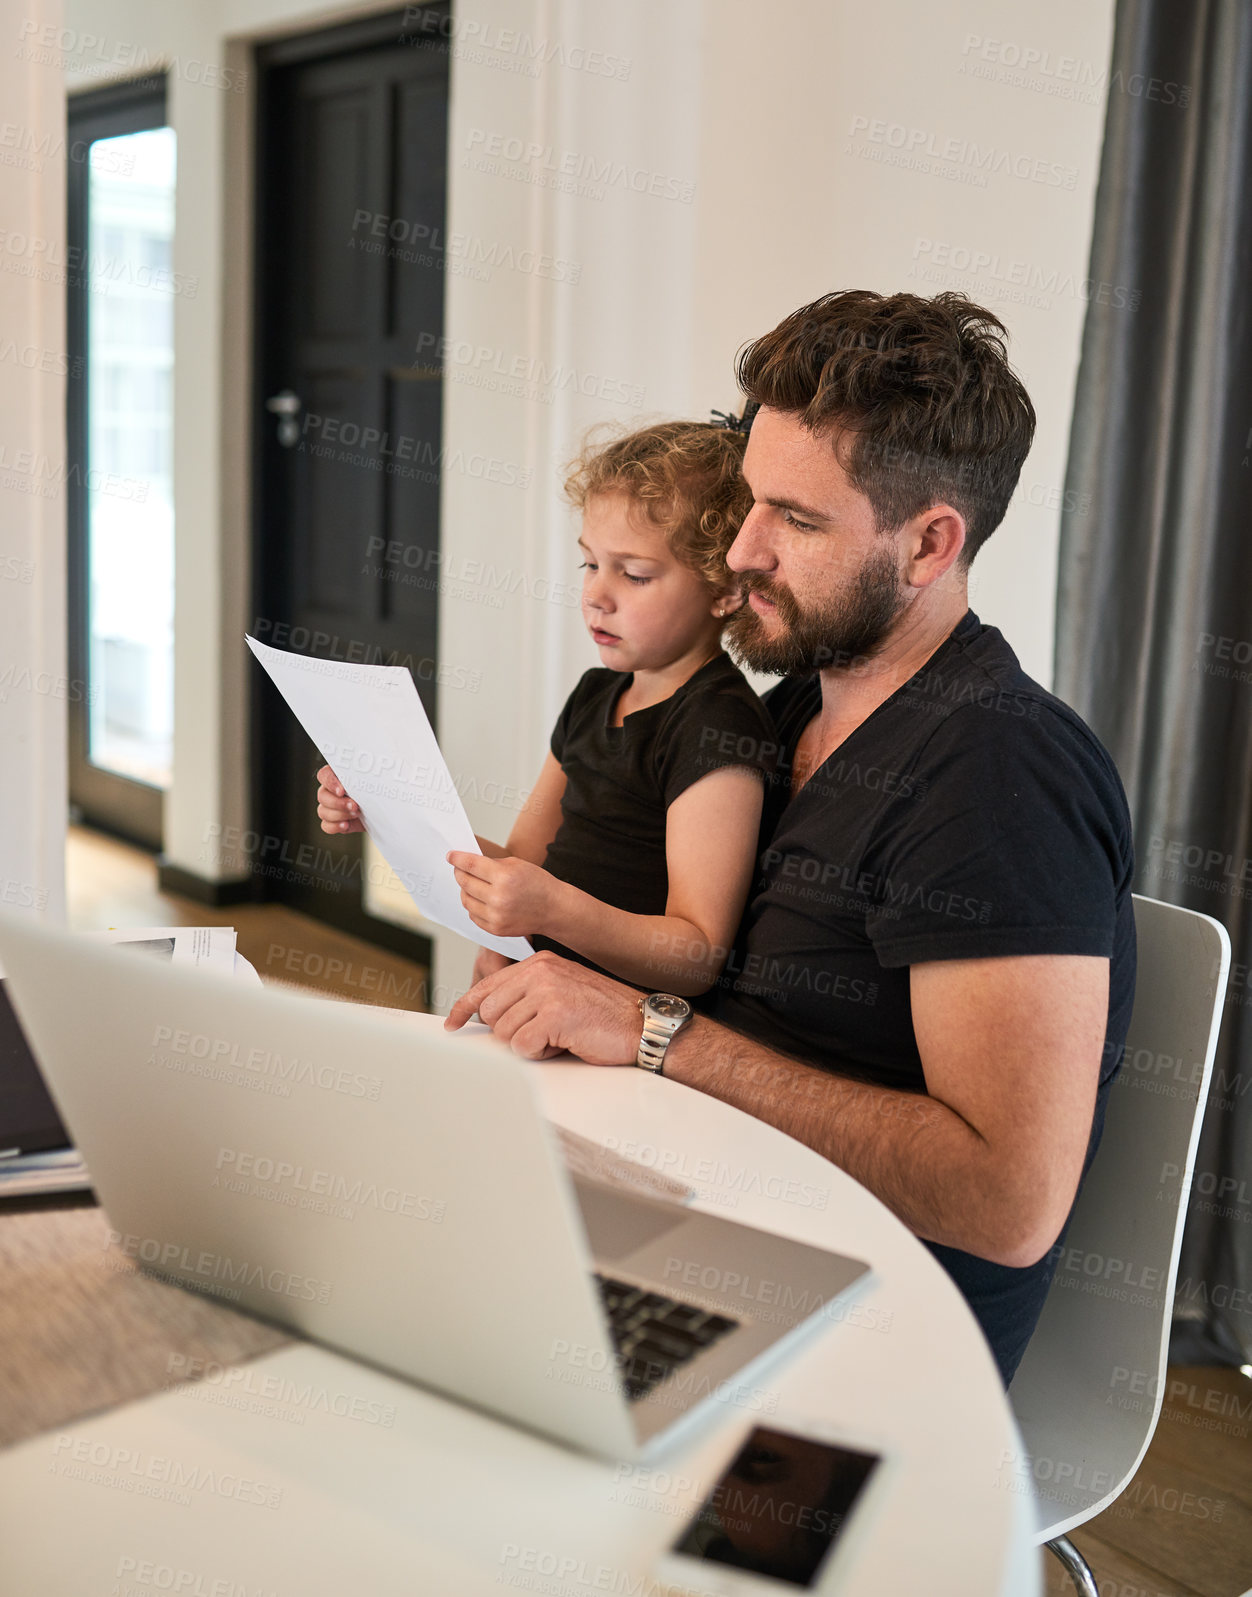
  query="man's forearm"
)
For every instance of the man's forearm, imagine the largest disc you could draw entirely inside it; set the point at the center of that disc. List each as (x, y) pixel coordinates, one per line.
(927, 1164)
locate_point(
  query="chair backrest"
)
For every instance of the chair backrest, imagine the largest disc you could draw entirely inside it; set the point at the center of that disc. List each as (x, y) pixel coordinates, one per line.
(1088, 1391)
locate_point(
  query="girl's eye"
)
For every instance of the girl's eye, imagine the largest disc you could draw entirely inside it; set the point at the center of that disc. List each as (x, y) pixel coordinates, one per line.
(800, 526)
(589, 565)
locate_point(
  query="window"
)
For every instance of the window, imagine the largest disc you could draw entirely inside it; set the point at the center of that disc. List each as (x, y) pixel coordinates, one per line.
(121, 326)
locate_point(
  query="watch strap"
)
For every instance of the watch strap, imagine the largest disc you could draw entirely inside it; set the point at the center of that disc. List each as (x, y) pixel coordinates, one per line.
(656, 1038)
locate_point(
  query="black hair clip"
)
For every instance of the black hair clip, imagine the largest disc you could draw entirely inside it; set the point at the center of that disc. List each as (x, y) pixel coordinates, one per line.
(736, 424)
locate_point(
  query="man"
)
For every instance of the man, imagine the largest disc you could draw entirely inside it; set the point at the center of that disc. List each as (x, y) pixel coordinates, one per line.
(933, 979)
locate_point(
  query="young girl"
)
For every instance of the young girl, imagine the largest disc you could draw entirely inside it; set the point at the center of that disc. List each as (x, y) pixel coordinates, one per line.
(636, 850)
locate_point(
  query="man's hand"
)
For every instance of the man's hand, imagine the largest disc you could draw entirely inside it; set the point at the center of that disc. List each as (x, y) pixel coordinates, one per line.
(335, 809)
(507, 897)
(544, 1005)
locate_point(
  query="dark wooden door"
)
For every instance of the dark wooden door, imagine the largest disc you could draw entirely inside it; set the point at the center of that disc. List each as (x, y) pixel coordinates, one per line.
(352, 184)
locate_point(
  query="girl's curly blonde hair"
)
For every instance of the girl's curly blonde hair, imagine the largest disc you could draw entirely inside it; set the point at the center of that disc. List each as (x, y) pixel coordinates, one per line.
(687, 478)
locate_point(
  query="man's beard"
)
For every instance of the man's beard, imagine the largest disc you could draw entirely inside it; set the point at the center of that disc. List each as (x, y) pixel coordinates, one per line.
(851, 627)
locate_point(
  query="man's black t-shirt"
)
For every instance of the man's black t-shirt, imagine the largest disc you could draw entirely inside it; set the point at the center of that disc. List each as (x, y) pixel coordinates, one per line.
(972, 815)
(621, 780)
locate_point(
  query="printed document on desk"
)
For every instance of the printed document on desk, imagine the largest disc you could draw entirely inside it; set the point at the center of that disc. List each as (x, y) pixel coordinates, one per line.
(201, 947)
(371, 729)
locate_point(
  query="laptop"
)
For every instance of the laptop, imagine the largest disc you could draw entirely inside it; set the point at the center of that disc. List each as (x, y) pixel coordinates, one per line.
(395, 1192)
(29, 1123)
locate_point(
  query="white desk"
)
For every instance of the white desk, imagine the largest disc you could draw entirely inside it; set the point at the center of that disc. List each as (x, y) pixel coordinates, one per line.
(304, 1473)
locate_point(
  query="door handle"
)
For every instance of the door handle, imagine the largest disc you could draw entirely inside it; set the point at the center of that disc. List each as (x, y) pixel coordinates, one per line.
(286, 406)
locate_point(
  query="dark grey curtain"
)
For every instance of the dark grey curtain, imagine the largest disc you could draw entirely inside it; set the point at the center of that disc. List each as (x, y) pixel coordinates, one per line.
(1154, 623)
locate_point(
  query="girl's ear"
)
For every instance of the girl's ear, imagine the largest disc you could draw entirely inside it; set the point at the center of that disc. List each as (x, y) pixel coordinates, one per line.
(727, 602)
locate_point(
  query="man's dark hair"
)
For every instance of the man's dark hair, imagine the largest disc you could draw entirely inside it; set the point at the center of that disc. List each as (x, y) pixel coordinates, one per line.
(920, 392)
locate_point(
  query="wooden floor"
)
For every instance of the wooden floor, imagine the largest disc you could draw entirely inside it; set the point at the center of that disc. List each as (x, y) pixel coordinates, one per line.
(111, 884)
(1182, 1528)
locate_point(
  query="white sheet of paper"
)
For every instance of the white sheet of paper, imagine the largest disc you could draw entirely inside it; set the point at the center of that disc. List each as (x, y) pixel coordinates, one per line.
(371, 729)
(201, 947)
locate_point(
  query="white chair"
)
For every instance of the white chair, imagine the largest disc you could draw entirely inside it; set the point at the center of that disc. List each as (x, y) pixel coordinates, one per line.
(1087, 1394)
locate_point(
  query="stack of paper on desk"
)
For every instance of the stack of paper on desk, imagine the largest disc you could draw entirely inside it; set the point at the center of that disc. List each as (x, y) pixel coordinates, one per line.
(595, 1162)
(370, 727)
(202, 947)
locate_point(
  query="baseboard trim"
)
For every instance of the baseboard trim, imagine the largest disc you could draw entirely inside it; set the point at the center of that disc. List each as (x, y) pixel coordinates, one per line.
(200, 889)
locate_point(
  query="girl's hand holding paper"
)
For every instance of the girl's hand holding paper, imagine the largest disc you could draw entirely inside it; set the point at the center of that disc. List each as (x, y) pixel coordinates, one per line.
(336, 811)
(506, 897)
(378, 745)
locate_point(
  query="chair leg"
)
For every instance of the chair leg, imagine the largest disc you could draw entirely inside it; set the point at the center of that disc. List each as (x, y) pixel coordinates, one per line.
(1075, 1566)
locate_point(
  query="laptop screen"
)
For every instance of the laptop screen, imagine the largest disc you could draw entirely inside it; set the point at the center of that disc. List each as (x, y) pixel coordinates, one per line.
(29, 1122)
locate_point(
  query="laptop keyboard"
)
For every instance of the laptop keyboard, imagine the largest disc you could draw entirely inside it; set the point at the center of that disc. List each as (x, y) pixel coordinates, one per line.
(655, 1335)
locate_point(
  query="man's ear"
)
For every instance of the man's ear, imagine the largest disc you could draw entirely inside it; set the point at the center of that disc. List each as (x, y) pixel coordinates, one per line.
(937, 537)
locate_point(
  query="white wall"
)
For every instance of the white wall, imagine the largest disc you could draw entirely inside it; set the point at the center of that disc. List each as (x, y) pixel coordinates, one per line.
(34, 689)
(733, 162)
(817, 101)
(607, 191)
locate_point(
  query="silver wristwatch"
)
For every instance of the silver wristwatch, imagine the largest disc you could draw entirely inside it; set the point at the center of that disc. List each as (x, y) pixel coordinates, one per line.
(664, 1016)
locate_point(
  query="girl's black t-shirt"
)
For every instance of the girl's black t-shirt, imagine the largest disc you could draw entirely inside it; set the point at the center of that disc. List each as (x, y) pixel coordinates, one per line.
(621, 780)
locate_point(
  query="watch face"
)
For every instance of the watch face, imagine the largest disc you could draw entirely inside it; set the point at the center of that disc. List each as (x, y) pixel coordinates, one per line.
(666, 1007)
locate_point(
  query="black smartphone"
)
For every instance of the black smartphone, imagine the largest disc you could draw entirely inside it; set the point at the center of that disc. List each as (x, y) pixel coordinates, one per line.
(776, 1516)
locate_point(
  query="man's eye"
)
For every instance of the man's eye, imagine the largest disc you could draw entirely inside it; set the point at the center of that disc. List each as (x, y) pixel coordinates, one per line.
(801, 526)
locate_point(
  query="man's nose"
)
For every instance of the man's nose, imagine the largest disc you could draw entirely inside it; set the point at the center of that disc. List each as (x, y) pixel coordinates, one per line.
(750, 550)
